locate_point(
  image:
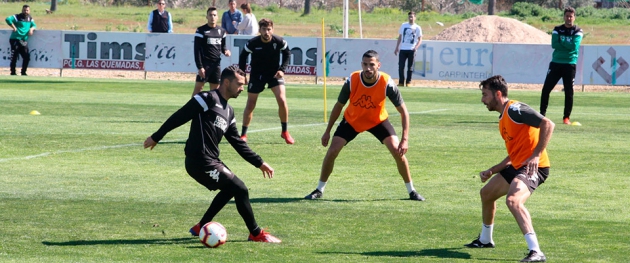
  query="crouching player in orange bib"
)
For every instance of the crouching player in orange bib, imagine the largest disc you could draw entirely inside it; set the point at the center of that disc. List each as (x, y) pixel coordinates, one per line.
(367, 91)
(526, 134)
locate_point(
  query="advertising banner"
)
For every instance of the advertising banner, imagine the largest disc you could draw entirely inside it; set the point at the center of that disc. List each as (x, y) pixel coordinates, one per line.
(435, 60)
(44, 46)
(454, 61)
(606, 65)
(170, 53)
(343, 55)
(103, 50)
(522, 63)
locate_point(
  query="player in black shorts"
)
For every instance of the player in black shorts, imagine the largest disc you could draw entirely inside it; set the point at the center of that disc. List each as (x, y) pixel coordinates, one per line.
(266, 69)
(212, 119)
(209, 45)
(526, 134)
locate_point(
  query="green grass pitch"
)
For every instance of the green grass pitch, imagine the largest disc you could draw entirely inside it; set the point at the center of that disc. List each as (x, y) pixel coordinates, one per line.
(76, 185)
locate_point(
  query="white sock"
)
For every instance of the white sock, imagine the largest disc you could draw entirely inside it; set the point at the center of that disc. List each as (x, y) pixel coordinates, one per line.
(321, 185)
(532, 242)
(486, 233)
(409, 186)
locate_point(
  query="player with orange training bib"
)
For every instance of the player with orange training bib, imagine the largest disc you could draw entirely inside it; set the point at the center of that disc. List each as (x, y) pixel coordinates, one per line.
(366, 91)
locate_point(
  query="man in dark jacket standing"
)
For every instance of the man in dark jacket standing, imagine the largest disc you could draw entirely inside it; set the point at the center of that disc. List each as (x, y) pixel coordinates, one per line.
(160, 20)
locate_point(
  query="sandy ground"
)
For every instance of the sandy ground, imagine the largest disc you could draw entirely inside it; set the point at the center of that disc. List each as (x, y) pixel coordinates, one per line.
(124, 74)
(494, 29)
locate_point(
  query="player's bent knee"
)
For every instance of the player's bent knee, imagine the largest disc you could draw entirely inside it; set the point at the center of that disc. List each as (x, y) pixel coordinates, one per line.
(513, 202)
(239, 186)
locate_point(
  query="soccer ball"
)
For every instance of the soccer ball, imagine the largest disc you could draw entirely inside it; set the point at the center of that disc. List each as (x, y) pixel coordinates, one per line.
(212, 234)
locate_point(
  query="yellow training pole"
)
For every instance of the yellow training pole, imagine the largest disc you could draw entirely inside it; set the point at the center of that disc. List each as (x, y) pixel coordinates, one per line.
(324, 60)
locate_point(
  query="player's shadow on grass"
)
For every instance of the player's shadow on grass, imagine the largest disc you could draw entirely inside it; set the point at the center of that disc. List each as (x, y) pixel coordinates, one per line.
(434, 253)
(356, 200)
(162, 241)
(22, 81)
(301, 199)
(494, 122)
(273, 200)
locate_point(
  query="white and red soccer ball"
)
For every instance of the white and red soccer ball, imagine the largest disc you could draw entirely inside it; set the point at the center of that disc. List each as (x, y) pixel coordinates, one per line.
(212, 234)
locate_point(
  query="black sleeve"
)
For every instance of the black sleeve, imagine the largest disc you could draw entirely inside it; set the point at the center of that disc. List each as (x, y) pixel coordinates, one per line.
(522, 113)
(223, 37)
(344, 94)
(179, 118)
(242, 59)
(393, 93)
(241, 147)
(286, 56)
(198, 49)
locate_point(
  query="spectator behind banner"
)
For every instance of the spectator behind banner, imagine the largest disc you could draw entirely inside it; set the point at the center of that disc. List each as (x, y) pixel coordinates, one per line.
(249, 26)
(160, 20)
(231, 18)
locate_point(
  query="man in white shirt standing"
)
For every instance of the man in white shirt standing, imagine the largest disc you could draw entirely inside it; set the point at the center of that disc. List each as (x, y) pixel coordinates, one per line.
(409, 40)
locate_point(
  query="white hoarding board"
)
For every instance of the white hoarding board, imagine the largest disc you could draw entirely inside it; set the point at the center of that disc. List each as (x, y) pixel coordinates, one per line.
(44, 46)
(344, 55)
(303, 54)
(453, 61)
(522, 63)
(170, 53)
(103, 50)
(606, 65)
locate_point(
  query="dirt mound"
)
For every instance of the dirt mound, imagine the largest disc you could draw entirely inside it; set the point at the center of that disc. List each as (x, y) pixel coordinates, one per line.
(494, 29)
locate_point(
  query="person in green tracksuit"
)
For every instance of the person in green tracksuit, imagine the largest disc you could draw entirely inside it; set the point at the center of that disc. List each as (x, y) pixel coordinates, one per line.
(23, 26)
(565, 41)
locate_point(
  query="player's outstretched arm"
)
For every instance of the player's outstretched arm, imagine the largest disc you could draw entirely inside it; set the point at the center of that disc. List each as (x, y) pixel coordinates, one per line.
(545, 131)
(334, 115)
(485, 175)
(267, 170)
(149, 142)
(404, 139)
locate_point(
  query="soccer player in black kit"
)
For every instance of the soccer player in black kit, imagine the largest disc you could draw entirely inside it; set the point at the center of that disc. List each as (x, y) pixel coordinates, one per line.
(212, 119)
(209, 45)
(266, 69)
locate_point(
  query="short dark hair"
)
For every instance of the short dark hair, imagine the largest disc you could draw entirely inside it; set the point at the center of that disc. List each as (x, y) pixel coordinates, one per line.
(370, 54)
(230, 73)
(25, 6)
(495, 83)
(411, 13)
(569, 9)
(265, 22)
(212, 8)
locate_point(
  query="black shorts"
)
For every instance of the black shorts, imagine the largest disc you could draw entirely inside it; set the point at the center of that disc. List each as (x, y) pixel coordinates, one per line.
(509, 173)
(213, 74)
(257, 83)
(212, 176)
(380, 131)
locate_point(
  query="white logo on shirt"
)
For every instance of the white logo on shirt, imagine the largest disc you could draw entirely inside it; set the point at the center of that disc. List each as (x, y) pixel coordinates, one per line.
(516, 107)
(214, 41)
(220, 123)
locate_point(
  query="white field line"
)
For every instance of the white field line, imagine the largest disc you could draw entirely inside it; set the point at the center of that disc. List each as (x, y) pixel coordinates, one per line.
(97, 148)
